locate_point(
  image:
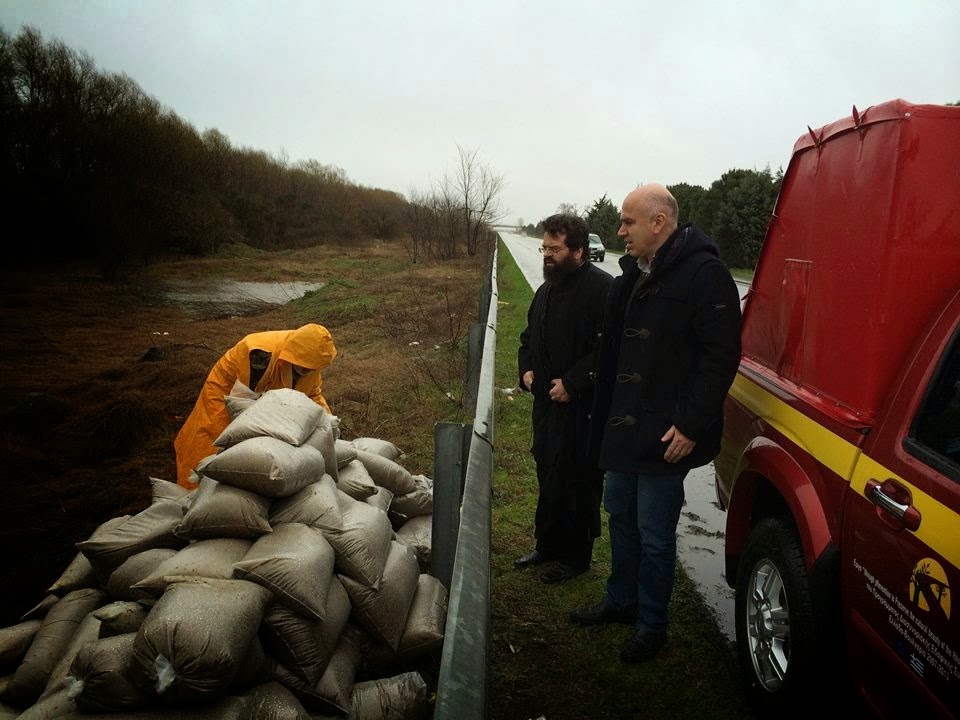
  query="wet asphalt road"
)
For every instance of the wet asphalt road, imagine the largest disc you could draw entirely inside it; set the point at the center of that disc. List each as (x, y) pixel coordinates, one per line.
(700, 533)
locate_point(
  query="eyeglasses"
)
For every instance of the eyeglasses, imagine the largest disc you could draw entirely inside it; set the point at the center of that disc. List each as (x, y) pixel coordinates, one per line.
(551, 250)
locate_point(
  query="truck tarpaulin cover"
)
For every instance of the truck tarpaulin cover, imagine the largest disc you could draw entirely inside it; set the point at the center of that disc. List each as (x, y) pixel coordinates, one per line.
(885, 181)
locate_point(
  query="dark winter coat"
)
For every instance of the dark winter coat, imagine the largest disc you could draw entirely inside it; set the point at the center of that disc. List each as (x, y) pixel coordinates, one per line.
(668, 355)
(560, 342)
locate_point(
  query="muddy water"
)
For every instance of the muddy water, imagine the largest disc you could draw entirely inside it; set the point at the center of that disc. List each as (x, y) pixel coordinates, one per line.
(226, 298)
(700, 533)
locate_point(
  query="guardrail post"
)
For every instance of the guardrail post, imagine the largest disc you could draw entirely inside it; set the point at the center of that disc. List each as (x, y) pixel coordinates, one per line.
(449, 465)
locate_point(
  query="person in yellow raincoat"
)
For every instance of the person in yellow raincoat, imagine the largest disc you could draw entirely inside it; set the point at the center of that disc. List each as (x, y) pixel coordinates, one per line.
(262, 361)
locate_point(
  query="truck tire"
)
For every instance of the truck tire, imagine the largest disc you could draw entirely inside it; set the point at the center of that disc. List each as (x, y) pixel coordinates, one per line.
(776, 632)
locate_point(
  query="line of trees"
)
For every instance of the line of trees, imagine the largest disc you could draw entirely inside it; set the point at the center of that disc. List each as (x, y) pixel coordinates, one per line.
(91, 167)
(734, 210)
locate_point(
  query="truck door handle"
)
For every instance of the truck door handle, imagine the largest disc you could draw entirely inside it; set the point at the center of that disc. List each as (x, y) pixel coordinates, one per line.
(894, 499)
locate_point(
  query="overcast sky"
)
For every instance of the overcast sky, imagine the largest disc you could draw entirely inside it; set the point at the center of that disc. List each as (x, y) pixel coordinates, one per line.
(568, 101)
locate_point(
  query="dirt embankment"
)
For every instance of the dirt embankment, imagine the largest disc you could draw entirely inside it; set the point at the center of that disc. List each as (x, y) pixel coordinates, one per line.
(97, 379)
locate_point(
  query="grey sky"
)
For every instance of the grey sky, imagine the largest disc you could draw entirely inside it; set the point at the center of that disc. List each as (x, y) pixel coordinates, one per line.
(568, 101)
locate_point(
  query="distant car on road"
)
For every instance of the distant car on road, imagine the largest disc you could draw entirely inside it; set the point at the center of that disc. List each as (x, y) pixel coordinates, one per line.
(597, 251)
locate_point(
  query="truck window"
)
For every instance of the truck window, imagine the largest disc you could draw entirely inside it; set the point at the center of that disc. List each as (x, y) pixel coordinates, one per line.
(935, 435)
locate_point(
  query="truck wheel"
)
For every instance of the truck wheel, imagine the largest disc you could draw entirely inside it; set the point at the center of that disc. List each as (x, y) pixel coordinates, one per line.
(776, 638)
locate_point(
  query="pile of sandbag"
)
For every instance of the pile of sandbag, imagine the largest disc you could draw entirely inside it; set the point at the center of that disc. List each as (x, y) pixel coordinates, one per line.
(298, 565)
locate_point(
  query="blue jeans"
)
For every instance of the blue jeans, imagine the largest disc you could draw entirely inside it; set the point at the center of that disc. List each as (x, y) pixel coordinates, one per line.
(644, 511)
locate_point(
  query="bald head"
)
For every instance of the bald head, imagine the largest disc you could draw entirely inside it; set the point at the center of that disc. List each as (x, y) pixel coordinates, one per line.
(648, 217)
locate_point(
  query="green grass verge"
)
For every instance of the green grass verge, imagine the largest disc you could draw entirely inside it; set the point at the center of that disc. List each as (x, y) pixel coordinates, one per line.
(541, 665)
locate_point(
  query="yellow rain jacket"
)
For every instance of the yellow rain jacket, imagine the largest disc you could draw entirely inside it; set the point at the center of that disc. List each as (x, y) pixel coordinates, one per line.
(310, 347)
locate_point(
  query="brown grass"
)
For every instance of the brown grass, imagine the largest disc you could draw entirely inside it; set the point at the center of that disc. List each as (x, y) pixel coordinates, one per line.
(97, 379)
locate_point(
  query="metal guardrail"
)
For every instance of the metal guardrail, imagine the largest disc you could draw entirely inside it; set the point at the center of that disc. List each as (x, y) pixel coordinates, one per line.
(461, 527)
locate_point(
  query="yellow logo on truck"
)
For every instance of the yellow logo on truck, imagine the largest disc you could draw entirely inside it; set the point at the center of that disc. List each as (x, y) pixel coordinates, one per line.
(929, 588)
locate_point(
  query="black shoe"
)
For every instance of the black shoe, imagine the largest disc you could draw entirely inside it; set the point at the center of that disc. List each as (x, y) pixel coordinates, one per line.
(529, 560)
(560, 572)
(641, 647)
(603, 613)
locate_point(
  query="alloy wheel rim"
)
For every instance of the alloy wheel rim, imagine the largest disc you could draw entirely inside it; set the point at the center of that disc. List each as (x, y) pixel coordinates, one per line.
(768, 626)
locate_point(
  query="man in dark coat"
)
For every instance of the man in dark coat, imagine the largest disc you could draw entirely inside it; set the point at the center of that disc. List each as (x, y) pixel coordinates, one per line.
(669, 353)
(556, 357)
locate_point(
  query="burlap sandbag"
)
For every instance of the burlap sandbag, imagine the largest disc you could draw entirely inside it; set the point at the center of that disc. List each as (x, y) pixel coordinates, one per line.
(362, 543)
(286, 414)
(379, 446)
(212, 558)
(123, 580)
(324, 439)
(309, 696)
(120, 617)
(382, 611)
(219, 510)
(14, 643)
(401, 696)
(316, 505)
(266, 466)
(57, 706)
(225, 708)
(148, 529)
(417, 532)
(355, 481)
(303, 645)
(195, 639)
(295, 562)
(49, 645)
(99, 676)
(387, 473)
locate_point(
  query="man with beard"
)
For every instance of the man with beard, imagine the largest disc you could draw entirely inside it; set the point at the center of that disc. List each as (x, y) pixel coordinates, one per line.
(555, 361)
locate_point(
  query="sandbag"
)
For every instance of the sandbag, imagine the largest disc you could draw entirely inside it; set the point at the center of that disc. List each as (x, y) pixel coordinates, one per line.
(283, 413)
(57, 706)
(87, 631)
(324, 439)
(266, 466)
(80, 572)
(212, 558)
(14, 643)
(401, 696)
(271, 701)
(49, 644)
(336, 683)
(225, 708)
(240, 398)
(123, 580)
(303, 645)
(120, 617)
(415, 503)
(346, 452)
(381, 499)
(295, 562)
(382, 611)
(99, 676)
(426, 621)
(362, 543)
(316, 505)
(148, 529)
(308, 695)
(417, 532)
(219, 510)
(161, 489)
(355, 481)
(378, 446)
(40, 610)
(194, 641)
(387, 473)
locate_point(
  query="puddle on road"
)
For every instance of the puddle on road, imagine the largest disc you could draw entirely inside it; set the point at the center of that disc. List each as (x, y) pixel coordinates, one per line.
(226, 298)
